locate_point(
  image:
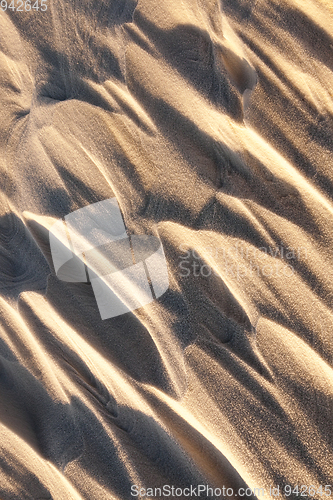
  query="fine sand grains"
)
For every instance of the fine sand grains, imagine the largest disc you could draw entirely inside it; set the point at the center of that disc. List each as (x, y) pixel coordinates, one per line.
(211, 123)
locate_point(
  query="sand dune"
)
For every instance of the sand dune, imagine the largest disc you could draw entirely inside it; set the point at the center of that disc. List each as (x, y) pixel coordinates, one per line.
(210, 125)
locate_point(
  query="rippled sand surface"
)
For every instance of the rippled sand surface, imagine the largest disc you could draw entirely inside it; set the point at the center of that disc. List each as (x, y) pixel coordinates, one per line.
(211, 124)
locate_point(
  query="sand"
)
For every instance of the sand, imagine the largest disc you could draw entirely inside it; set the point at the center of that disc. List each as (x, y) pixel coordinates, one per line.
(210, 124)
